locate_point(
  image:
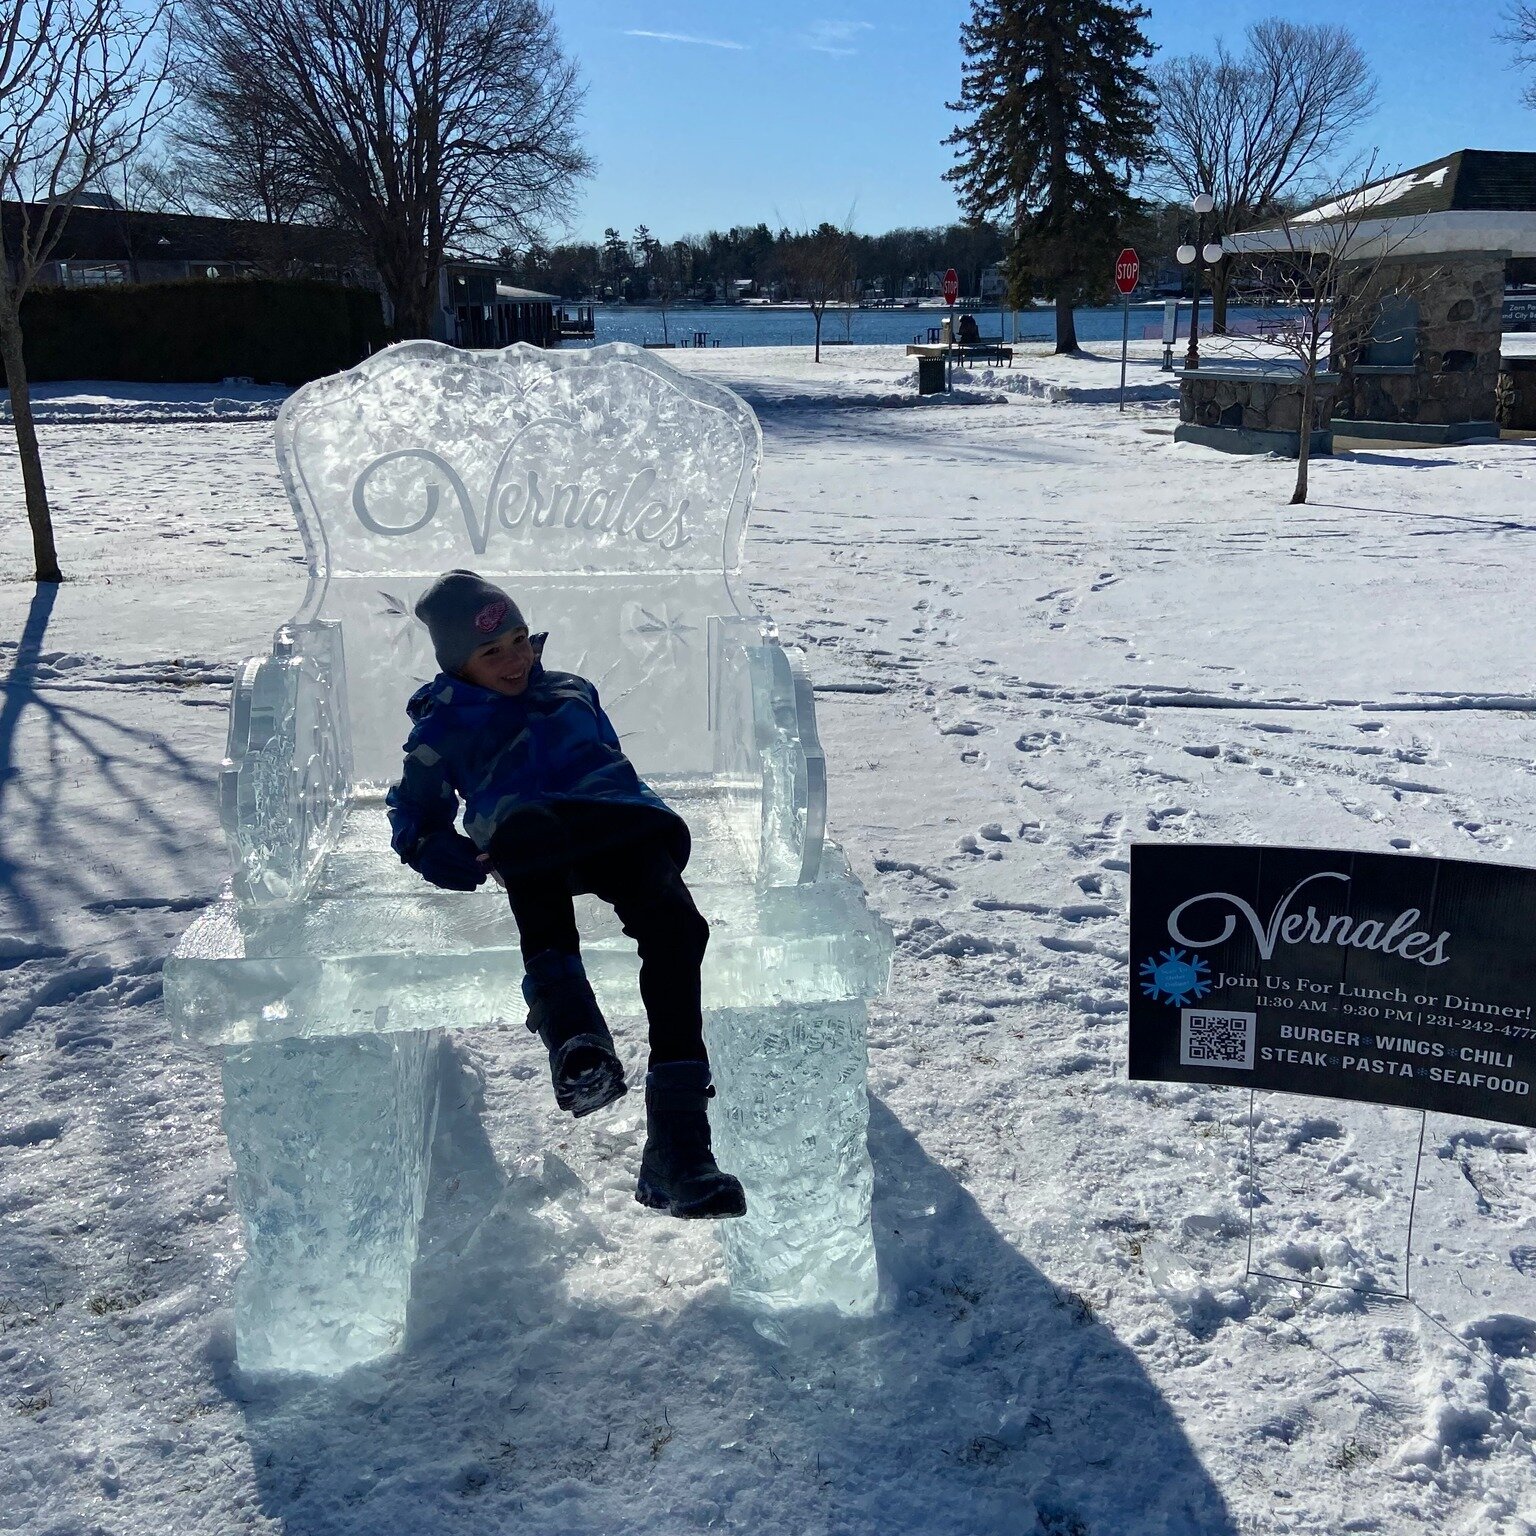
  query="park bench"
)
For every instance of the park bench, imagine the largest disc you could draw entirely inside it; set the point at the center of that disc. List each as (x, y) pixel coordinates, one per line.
(961, 352)
(989, 348)
(610, 494)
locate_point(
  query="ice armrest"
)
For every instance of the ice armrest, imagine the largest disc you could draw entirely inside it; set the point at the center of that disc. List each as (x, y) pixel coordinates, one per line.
(767, 754)
(283, 782)
(794, 771)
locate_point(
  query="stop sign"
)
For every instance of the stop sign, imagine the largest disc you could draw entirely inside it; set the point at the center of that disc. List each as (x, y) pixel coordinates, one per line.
(951, 286)
(1127, 270)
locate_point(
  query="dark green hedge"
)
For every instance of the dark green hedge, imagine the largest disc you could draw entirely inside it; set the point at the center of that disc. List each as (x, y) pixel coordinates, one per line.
(273, 330)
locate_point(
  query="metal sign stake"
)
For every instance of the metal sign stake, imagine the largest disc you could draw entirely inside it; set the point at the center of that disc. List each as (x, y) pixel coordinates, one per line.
(1327, 1285)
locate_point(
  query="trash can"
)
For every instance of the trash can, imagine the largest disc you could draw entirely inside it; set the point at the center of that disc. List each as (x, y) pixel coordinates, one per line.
(930, 375)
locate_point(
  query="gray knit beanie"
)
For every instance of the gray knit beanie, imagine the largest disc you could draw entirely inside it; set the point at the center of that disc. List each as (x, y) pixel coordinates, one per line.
(462, 612)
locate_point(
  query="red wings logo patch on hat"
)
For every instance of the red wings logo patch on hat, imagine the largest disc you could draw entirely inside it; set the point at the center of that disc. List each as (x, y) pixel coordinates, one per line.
(490, 616)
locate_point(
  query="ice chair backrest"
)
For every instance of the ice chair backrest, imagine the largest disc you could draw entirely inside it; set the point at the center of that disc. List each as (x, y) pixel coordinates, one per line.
(606, 491)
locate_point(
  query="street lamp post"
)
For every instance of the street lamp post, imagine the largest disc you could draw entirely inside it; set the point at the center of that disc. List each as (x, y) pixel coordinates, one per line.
(1197, 255)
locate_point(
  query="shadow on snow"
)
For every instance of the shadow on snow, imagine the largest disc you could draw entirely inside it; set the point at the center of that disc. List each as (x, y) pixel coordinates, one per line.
(982, 1399)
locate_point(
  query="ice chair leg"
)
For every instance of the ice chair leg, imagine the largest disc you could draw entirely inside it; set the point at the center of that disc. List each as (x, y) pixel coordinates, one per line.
(332, 1142)
(791, 1121)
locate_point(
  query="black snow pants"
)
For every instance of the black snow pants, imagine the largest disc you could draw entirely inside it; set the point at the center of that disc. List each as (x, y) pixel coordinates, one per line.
(627, 856)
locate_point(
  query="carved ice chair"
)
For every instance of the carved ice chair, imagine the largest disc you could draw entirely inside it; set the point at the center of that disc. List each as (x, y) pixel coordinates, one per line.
(609, 494)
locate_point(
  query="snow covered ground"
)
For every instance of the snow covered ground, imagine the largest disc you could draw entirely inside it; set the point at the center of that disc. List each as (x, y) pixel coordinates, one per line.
(1042, 631)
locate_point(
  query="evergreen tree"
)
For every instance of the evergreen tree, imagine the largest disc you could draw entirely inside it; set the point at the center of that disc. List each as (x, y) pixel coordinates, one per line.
(1060, 116)
(616, 265)
(615, 253)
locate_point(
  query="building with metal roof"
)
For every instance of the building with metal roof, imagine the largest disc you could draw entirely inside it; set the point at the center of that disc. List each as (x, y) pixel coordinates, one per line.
(1471, 200)
(1432, 251)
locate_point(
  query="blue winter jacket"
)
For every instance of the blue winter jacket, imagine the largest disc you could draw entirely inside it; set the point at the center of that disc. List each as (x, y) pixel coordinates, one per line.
(498, 752)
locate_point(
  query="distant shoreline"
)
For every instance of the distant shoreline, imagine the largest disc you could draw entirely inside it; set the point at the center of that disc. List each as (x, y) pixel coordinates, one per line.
(923, 306)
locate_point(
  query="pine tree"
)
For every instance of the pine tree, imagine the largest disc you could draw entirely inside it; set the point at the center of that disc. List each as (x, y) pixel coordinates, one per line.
(615, 253)
(1060, 116)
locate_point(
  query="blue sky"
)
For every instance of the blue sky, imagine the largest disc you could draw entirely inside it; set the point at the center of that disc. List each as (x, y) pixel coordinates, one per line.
(707, 115)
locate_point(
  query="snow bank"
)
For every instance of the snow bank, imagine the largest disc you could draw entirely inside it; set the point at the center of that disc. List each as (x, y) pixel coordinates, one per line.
(88, 400)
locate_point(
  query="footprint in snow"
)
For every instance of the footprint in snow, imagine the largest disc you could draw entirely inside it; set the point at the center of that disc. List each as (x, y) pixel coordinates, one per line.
(1038, 741)
(905, 867)
(1505, 1334)
(1487, 833)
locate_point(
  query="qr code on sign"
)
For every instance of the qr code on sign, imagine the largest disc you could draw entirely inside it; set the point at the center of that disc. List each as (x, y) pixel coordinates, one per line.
(1211, 1039)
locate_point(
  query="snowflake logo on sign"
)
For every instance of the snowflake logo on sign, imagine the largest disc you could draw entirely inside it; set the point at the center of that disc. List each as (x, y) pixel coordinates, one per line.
(1175, 977)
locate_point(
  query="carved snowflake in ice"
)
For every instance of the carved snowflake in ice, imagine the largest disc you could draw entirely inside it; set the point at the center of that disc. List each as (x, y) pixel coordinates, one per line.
(662, 632)
(1175, 977)
(398, 609)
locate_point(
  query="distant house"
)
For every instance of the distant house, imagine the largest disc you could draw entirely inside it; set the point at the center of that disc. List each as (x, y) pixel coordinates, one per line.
(993, 283)
(478, 304)
(103, 243)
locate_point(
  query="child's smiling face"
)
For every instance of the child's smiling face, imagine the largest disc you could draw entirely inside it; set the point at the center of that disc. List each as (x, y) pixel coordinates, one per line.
(502, 665)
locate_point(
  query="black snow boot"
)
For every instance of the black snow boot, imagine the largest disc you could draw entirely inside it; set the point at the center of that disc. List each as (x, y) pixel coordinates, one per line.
(678, 1173)
(563, 1013)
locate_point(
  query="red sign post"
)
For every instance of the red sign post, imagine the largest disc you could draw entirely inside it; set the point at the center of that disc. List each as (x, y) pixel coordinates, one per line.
(952, 285)
(1127, 275)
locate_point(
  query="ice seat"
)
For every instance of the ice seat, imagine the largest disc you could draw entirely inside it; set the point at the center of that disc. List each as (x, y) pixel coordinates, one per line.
(610, 494)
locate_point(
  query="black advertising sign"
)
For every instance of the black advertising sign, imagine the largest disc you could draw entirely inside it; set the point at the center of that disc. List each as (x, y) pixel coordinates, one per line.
(1382, 977)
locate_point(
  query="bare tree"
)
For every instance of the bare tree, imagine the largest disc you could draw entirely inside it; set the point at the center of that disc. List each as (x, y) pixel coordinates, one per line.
(230, 158)
(1333, 271)
(430, 126)
(82, 82)
(1520, 31)
(848, 301)
(661, 279)
(818, 267)
(1252, 130)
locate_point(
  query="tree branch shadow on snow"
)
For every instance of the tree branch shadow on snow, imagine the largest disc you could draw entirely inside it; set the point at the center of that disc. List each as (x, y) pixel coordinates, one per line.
(30, 794)
(1455, 522)
(984, 1399)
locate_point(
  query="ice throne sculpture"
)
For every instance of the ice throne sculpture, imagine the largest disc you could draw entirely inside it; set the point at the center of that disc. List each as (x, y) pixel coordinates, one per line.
(610, 494)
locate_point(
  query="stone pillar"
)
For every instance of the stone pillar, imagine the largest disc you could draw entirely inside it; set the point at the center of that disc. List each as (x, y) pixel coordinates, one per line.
(1453, 376)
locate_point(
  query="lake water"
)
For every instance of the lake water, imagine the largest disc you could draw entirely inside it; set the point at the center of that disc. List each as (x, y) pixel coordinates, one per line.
(751, 326)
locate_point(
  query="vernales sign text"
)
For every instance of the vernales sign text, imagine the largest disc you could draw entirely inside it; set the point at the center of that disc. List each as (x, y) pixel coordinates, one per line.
(1382, 977)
